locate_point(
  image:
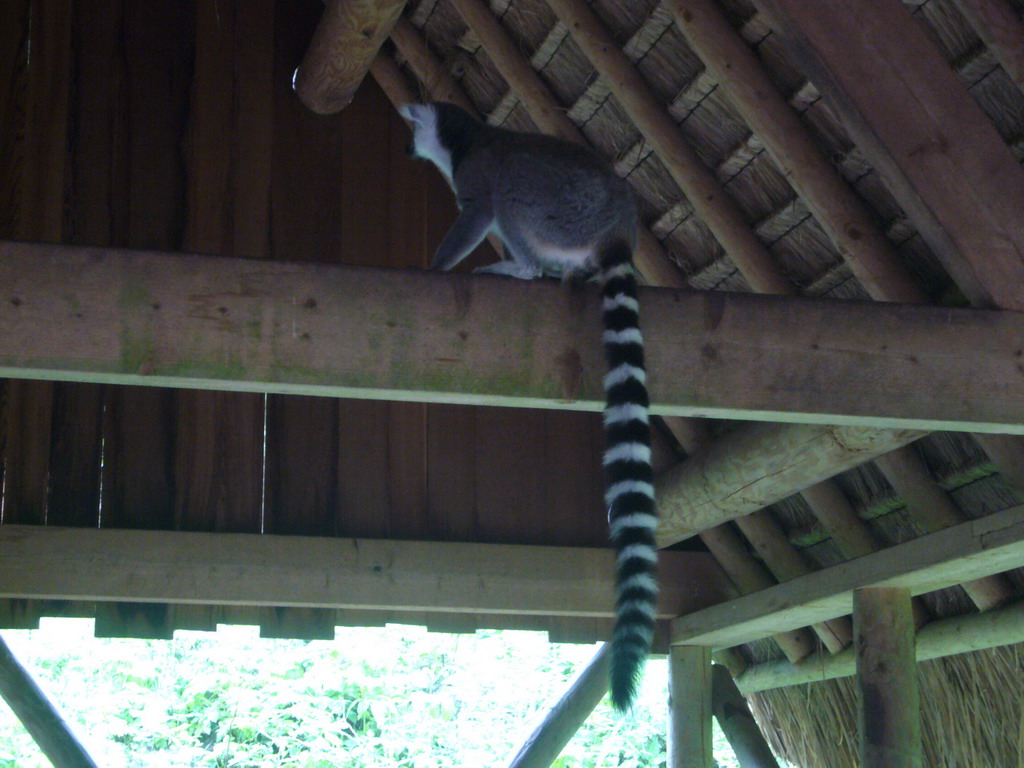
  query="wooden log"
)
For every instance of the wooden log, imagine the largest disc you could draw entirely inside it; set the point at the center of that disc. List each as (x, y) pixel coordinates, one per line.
(917, 125)
(844, 217)
(760, 465)
(1001, 29)
(343, 47)
(704, 192)
(428, 68)
(690, 710)
(937, 639)
(737, 722)
(786, 563)
(391, 80)
(937, 560)
(322, 572)
(933, 510)
(888, 704)
(563, 721)
(300, 328)
(40, 718)
(750, 576)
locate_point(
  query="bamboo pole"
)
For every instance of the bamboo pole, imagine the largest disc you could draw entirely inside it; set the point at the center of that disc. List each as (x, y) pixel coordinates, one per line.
(689, 742)
(737, 722)
(936, 640)
(40, 718)
(707, 196)
(933, 510)
(345, 43)
(888, 706)
(565, 718)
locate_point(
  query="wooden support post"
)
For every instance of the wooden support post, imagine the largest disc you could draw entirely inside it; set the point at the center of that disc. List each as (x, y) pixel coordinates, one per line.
(689, 743)
(43, 722)
(888, 706)
(344, 45)
(737, 722)
(566, 717)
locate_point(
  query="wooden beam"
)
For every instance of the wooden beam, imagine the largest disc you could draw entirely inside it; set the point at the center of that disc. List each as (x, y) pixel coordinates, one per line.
(750, 468)
(321, 572)
(40, 718)
(132, 317)
(910, 115)
(888, 704)
(940, 638)
(840, 212)
(737, 722)
(689, 742)
(566, 717)
(344, 45)
(981, 547)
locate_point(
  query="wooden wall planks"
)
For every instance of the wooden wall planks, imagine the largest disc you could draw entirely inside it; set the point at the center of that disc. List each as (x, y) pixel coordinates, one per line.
(169, 125)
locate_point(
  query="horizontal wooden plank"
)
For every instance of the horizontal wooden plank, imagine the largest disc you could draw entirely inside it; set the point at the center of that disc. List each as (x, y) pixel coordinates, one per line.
(131, 317)
(323, 572)
(937, 639)
(971, 550)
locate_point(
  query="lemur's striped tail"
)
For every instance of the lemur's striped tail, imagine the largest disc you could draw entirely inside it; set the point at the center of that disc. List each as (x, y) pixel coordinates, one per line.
(632, 515)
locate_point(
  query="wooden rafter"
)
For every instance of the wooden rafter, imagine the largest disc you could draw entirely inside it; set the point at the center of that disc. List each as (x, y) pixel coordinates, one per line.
(967, 551)
(263, 569)
(919, 127)
(347, 40)
(702, 189)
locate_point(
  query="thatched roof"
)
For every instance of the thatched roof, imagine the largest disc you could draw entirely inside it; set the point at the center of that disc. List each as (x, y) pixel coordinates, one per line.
(943, 477)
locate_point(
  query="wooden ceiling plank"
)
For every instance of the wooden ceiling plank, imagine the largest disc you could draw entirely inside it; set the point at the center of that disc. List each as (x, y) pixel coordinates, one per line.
(971, 550)
(922, 131)
(696, 180)
(323, 572)
(157, 319)
(344, 45)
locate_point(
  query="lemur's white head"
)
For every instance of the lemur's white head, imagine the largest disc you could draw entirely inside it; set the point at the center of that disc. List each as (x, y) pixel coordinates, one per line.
(426, 139)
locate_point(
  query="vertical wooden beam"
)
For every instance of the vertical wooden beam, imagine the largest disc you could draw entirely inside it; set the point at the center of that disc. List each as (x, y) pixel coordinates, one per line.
(689, 743)
(345, 43)
(737, 722)
(566, 717)
(43, 722)
(888, 706)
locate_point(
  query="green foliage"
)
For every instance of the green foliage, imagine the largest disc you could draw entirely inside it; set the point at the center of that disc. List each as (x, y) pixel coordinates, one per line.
(389, 698)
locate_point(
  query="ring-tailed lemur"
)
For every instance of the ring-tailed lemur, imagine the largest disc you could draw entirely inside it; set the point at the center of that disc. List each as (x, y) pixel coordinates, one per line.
(560, 209)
